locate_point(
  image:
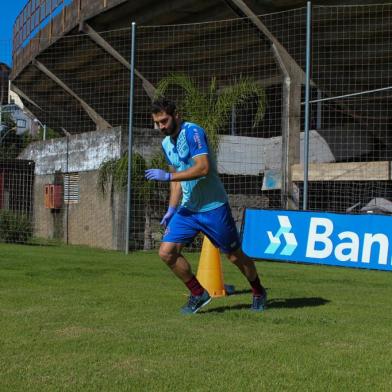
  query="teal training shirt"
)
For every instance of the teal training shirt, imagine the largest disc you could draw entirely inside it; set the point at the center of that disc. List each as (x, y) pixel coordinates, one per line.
(201, 194)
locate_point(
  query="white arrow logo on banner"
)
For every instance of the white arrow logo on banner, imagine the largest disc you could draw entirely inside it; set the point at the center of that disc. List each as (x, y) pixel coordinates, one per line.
(275, 242)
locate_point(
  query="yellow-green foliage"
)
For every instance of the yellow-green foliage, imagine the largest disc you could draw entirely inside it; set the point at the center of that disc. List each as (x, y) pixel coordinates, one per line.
(211, 107)
(113, 175)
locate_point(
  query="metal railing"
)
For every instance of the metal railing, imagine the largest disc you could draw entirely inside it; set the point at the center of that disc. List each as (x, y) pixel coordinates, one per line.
(35, 15)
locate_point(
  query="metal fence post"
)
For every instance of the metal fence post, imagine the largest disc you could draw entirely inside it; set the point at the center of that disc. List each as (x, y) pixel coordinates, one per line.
(130, 131)
(307, 104)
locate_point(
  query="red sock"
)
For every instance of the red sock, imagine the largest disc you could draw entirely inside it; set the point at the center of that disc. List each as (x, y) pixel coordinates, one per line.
(194, 286)
(257, 288)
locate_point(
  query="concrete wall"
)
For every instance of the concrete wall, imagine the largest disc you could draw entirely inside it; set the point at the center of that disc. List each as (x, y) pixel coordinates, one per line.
(77, 153)
(252, 156)
(93, 220)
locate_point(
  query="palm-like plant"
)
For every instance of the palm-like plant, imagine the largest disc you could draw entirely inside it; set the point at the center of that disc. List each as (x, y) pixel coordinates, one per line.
(113, 176)
(212, 108)
(114, 173)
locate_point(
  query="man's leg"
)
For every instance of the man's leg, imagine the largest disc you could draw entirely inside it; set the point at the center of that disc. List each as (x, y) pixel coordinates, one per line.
(247, 266)
(170, 253)
(219, 226)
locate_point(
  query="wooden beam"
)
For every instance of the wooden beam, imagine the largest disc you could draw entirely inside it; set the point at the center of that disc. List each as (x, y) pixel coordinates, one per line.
(294, 77)
(100, 122)
(19, 92)
(148, 87)
(291, 65)
(291, 133)
(350, 171)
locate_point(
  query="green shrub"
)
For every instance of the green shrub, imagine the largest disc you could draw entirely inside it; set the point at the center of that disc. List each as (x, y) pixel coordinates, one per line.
(15, 227)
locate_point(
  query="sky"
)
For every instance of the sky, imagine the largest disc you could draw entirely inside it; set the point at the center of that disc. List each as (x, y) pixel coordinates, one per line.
(9, 10)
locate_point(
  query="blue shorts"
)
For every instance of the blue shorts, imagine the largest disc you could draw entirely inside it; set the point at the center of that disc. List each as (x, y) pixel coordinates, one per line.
(217, 224)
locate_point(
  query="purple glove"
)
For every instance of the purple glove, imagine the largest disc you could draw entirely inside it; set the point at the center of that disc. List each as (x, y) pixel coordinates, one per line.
(169, 214)
(157, 175)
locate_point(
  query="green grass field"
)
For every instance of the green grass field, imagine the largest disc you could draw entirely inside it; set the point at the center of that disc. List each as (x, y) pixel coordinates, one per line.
(77, 319)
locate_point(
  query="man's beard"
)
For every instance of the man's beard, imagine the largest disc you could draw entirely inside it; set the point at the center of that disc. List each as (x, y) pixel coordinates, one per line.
(172, 130)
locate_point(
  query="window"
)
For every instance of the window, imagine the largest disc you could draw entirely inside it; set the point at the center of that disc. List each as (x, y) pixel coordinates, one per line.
(71, 188)
(20, 123)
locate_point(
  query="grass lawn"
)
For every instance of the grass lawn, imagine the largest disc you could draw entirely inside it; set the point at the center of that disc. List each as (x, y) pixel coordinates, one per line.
(78, 319)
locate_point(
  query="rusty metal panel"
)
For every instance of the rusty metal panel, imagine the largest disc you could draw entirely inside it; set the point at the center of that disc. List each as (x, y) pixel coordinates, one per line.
(34, 46)
(57, 25)
(71, 16)
(44, 38)
(88, 7)
(113, 3)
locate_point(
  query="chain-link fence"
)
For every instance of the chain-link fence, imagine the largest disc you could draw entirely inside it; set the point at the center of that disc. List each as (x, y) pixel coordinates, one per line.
(242, 80)
(352, 84)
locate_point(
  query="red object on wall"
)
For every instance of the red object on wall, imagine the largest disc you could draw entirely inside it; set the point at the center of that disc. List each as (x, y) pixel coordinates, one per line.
(53, 196)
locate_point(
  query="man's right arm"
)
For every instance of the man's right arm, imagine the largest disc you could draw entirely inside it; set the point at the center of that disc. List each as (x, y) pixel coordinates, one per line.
(175, 194)
(174, 200)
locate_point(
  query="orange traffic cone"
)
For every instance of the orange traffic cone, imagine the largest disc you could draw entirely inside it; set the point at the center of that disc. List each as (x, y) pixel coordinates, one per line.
(209, 272)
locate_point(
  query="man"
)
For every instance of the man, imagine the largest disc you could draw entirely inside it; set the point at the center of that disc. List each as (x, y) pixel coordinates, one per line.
(203, 208)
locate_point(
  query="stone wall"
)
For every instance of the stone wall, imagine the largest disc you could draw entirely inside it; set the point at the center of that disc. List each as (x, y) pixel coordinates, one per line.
(94, 220)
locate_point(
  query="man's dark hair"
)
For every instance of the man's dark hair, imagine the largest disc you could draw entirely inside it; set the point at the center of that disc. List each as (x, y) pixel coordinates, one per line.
(163, 105)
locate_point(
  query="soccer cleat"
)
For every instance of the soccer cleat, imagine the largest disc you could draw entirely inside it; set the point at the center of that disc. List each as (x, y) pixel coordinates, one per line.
(196, 302)
(259, 302)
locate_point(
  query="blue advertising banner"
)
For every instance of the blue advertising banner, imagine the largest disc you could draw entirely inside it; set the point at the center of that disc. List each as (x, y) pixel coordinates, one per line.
(360, 241)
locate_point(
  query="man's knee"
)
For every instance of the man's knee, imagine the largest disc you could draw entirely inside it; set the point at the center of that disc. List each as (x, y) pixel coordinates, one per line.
(168, 256)
(233, 258)
(238, 257)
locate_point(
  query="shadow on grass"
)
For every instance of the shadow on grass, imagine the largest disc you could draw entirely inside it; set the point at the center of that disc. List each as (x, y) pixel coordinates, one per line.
(277, 303)
(239, 292)
(296, 302)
